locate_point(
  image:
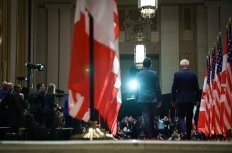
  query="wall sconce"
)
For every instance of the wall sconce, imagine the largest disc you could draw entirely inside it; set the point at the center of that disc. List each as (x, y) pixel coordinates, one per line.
(148, 8)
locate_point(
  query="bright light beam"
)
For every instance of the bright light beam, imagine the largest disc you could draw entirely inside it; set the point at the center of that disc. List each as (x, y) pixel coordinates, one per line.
(133, 85)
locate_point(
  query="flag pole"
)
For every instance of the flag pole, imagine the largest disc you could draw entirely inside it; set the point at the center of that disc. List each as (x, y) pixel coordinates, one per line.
(94, 130)
(29, 46)
(91, 67)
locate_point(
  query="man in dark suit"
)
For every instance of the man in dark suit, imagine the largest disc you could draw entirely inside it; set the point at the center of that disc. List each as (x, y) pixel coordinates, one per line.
(16, 109)
(37, 100)
(149, 96)
(185, 94)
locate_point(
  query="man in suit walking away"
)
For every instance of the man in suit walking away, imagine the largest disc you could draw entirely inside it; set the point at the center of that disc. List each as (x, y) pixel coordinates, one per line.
(185, 94)
(149, 96)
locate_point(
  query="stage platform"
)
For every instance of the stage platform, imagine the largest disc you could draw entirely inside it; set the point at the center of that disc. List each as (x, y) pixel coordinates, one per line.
(118, 146)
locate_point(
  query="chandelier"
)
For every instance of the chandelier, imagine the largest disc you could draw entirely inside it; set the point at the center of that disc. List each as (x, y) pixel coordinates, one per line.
(148, 8)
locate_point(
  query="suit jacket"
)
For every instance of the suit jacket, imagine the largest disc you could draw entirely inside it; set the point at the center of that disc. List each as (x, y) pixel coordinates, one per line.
(16, 109)
(37, 101)
(149, 87)
(49, 105)
(185, 88)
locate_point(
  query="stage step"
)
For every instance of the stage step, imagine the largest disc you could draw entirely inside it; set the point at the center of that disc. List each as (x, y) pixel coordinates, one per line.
(112, 146)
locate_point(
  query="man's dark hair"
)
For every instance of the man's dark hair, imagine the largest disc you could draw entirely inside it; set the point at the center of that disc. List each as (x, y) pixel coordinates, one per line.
(147, 62)
(39, 85)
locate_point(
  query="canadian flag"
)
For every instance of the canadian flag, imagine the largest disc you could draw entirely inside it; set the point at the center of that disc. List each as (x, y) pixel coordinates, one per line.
(107, 82)
(203, 105)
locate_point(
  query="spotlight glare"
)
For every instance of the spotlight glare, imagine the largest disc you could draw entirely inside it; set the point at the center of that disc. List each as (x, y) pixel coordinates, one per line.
(133, 84)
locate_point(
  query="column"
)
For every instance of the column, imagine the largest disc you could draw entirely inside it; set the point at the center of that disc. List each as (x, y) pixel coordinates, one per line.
(65, 42)
(13, 40)
(213, 24)
(53, 44)
(202, 44)
(169, 46)
(40, 43)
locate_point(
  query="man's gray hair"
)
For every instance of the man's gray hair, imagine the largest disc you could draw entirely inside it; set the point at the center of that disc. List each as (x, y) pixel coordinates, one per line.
(184, 62)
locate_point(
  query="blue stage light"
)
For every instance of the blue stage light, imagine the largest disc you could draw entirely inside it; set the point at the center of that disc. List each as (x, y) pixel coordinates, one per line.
(133, 85)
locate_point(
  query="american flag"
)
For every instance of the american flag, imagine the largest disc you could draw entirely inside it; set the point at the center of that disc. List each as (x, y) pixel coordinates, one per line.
(209, 98)
(212, 107)
(219, 59)
(228, 91)
(213, 63)
(209, 69)
(217, 88)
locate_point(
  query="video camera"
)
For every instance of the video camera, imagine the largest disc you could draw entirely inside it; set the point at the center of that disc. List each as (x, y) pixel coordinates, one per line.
(37, 67)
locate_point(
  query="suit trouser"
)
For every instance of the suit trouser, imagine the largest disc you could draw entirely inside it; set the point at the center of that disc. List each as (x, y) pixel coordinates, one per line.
(185, 115)
(148, 110)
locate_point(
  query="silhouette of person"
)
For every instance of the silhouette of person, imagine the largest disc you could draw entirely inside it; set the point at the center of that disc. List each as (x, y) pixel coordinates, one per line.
(185, 94)
(149, 95)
